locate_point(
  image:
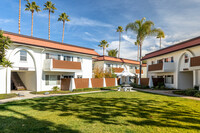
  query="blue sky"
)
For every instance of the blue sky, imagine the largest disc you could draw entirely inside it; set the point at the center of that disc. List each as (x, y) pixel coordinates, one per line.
(96, 20)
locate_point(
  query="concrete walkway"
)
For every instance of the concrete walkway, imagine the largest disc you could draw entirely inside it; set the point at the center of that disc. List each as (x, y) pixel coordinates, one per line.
(28, 95)
(167, 93)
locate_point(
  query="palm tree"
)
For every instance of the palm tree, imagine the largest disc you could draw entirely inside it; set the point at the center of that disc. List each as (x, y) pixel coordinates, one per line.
(63, 17)
(160, 35)
(32, 7)
(143, 29)
(112, 52)
(19, 15)
(137, 43)
(51, 8)
(120, 30)
(103, 44)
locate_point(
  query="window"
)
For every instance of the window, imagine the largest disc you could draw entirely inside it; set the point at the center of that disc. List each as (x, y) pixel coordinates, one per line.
(79, 59)
(152, 62)
(160, 61)
(131, 67)
(108, 65)
(169, 79)
(166, 59)
(47, 56)
(79, 76)
(68, 76)
(59, 57)
(186, 58)
(23, 55)
(52, 56)
(52, 79)
(136, 67)
(68, 58)
(114, 65)
(172, 59)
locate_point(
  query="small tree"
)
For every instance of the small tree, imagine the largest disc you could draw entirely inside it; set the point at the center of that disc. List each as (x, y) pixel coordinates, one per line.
(98, 72)
(4, 45)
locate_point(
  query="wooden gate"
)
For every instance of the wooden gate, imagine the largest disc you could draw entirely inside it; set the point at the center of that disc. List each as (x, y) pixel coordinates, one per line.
(65, 84)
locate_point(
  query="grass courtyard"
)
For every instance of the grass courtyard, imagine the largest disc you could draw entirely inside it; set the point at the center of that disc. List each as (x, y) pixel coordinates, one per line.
(117, 112)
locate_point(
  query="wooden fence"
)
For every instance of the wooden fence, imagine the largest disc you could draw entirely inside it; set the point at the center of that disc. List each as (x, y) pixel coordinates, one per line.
(81, 83)
(110, 82)
(97, 82)
(70, 84)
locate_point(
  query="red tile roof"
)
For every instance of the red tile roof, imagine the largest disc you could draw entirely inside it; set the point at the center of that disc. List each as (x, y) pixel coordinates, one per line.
(182, 45)
(115, 59)
(27, 40)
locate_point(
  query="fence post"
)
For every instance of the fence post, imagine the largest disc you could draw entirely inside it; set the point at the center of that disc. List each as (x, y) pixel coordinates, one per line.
(72, 85)
(90, 83)
(104, 82)
(116, 83)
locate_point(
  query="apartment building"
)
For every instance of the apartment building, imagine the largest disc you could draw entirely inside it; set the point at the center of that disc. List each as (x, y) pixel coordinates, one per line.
(119, 65)
(178, 64)
(39, 64)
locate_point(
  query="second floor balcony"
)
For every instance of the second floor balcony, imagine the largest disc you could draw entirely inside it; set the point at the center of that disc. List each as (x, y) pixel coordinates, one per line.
(195, 62)
(61, 66)
(162, 67)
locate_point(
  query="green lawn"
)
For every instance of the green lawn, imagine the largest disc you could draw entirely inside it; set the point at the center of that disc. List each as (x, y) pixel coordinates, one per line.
(117, 112)
(5, 96)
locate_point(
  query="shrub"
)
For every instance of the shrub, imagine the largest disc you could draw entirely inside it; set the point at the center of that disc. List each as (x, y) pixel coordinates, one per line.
(197, 94)
(55, 88)
(196, 87)
(162, 87)
(190, 92)
(157, 87)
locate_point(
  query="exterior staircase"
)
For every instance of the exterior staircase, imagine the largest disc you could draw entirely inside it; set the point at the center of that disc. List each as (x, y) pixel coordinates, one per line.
(19, 85)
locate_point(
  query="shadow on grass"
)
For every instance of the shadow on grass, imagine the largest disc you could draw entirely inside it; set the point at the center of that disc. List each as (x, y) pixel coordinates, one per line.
(105, 110)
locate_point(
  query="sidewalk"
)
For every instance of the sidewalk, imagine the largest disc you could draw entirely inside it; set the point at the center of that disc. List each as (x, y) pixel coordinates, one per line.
(167, 93)
(28, 95)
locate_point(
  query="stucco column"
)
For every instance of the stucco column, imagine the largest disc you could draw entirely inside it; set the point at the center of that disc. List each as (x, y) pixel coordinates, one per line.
(90, 83)
(150, 81)
(116, 83)
(195, 78)
(104, 82)
(8, 81)
(72, 85)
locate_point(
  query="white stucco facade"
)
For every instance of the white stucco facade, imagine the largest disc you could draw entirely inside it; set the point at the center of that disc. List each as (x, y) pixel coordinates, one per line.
(33, 70)
(177, 70)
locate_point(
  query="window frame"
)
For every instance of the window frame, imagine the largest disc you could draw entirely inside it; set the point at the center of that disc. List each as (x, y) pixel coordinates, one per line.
(23, 56)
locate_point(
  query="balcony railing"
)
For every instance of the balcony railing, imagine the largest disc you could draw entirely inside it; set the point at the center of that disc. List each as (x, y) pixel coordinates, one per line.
(155, 67)
(162, 67)
(195, 61)
(137, 71)
(60, 65)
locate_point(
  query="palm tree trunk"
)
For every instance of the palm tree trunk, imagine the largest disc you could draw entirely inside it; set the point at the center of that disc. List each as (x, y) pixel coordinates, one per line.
(103, 51)
(119, 44)
(140, 63)
(19, 14)
(32, 25)
(49, 24)
(63, 31)
(160, 43)
(138, 54)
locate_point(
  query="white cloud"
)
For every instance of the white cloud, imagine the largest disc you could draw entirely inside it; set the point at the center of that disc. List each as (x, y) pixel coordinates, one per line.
(87, 22)
(3, 21)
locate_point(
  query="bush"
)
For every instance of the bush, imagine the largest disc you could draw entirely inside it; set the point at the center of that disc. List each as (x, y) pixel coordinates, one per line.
(55, 88)
(162, 87)
(190, 92)
(197, 94)
(196, 87)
